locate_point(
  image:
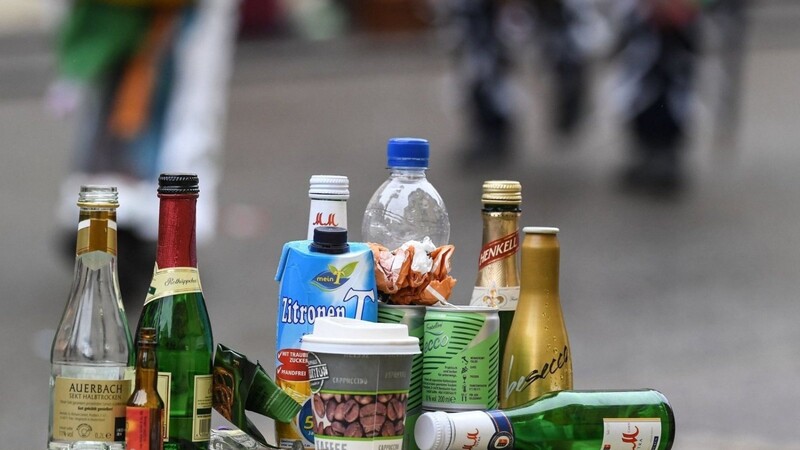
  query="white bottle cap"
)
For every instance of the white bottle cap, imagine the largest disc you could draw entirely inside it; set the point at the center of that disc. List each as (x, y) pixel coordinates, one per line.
(332, 187)
(433, 431)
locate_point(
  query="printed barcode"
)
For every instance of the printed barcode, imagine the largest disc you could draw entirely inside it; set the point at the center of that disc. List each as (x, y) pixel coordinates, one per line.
(203, 430)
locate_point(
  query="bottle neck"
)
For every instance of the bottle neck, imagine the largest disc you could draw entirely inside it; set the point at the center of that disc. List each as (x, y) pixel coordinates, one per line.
(146, 367)
(500, 236)
(97, 231)
(407, 172)
(176, 231)
(500, 208)
(540, 261)
(326, 213)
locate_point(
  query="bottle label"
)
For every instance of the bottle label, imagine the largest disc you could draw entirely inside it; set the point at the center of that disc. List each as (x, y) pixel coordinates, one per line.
(627, 434)
(498, 249)
(502, 298)
(201, 413)
(164, 388)
(173, 281)
(481, 430)
(98, 234)
(139, 425)
(89, 410)
(326, 213)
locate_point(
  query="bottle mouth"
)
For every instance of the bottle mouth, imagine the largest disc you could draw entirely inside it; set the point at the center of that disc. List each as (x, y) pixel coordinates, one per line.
(98, 195)
(178, 183)
(335, 187)
(501, 192)
(407, 152)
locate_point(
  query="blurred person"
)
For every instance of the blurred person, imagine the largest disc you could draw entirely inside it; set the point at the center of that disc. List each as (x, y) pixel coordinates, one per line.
(659, 48)
(483, 69)
(566, 31)
(149, 78)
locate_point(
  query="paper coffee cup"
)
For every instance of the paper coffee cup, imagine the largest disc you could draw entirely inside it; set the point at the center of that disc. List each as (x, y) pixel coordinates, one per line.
(359, 374)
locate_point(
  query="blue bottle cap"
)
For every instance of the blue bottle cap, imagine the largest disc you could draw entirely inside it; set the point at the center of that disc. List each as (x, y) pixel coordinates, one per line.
(407, 152)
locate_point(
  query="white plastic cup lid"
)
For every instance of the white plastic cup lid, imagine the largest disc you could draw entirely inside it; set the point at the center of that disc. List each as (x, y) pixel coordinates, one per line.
(342, 335)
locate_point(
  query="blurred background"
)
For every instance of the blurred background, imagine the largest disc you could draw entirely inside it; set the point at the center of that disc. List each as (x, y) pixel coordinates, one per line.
(660, 136)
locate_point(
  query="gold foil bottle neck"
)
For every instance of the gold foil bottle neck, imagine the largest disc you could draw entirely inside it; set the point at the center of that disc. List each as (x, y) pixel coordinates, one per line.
(501, 192)
(97, 224)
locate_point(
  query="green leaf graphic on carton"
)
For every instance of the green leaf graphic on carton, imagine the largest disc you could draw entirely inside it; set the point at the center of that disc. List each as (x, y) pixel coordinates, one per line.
(334, 277)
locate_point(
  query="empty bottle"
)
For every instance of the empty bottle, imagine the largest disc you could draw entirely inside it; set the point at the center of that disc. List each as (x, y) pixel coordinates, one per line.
(564, 420)
(91, 358)
(406, 206)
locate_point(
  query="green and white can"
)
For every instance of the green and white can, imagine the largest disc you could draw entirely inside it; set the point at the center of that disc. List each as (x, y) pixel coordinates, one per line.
(460, 358)
(413, 316)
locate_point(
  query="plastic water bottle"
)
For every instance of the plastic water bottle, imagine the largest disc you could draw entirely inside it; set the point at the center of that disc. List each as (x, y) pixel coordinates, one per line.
(406, 206)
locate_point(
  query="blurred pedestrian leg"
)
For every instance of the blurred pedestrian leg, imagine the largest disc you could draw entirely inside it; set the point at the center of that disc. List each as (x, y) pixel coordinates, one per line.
(729, 17)
(482, 66)
(560, 34)
(659, 47)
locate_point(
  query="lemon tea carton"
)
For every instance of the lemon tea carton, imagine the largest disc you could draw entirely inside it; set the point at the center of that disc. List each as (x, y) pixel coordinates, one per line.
(324, 277)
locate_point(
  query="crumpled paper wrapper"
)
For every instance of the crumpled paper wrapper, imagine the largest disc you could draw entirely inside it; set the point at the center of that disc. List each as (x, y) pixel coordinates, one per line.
(417, 273)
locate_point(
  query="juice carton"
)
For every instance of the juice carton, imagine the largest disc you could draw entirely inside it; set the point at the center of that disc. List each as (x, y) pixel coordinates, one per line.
(326, 277)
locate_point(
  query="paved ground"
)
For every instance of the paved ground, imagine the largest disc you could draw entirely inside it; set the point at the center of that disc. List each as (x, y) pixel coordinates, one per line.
(696, 298)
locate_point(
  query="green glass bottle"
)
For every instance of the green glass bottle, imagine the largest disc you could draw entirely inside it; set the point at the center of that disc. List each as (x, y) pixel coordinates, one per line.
(175, 307)
(564, 420)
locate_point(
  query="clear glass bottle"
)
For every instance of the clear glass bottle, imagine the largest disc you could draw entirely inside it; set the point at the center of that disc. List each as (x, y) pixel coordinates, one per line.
(497, 283)
(328, 195)
(565, 420)
(175, 307)
(91, 358)
(144, 429)
(406, 206)
(537, 358)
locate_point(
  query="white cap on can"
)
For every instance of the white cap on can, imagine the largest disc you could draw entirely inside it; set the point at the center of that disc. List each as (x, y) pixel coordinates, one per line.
(433, 431)
(335, 187)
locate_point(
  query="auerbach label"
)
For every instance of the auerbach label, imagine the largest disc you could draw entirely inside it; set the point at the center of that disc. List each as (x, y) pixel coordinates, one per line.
(89, 409)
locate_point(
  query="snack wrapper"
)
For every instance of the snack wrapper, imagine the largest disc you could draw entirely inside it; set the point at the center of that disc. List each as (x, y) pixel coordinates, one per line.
(417, 273)
(240, 384)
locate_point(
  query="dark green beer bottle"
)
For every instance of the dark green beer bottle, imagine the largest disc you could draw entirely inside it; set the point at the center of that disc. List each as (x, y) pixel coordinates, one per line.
(176, 309)
(564, 420)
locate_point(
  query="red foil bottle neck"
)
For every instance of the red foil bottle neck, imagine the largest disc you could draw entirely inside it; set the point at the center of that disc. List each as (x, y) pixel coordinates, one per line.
(176, 231)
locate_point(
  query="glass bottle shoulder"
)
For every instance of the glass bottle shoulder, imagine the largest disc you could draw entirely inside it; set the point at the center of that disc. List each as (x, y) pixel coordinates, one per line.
(181, 322)
(93, 328)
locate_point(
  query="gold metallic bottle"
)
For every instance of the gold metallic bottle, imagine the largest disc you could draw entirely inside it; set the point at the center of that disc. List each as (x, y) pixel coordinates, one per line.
(537, 359)
(497, 284)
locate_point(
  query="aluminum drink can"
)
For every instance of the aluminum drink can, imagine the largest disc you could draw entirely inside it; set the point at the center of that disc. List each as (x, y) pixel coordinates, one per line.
(460, 363)
(413, 316)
